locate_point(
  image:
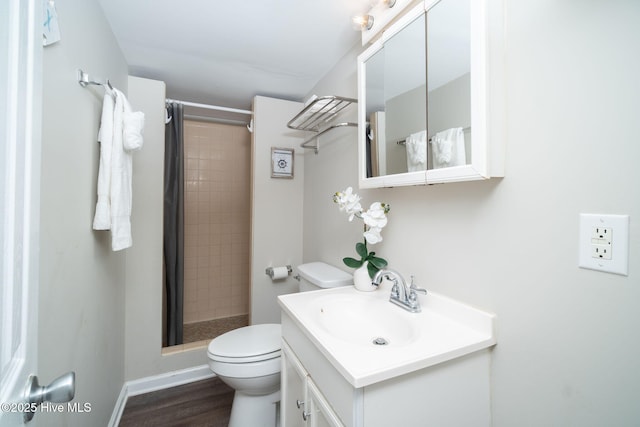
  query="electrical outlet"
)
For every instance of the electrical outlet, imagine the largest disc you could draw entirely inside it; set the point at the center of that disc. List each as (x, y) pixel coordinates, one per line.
(601, 238)
(604, 243)
(601, 235)
(601, 251)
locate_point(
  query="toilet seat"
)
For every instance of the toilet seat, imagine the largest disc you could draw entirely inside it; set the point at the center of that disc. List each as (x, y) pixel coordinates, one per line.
(255, 343)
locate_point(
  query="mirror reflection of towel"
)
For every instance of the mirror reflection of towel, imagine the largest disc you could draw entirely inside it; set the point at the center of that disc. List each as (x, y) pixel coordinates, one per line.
(448, 148)
(416, 145)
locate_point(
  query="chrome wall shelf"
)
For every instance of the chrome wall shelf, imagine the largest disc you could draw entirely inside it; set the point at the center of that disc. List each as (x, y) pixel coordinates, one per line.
(316, 117)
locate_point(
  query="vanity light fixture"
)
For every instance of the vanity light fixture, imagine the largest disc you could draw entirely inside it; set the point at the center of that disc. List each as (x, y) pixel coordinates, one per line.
(362, 23)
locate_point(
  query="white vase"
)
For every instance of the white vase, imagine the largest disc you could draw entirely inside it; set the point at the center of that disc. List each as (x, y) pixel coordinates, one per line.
(361, 279)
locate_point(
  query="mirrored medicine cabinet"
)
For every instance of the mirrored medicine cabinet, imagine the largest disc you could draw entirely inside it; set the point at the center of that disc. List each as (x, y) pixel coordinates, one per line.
(422, 99)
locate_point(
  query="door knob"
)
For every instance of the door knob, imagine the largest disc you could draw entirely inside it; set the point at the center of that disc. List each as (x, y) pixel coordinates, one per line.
(61, 390)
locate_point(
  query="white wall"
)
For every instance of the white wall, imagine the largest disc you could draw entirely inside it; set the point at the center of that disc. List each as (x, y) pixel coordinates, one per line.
(81, 315)
(328, 235)
(568, 346)
(144, 285)
(276, 224)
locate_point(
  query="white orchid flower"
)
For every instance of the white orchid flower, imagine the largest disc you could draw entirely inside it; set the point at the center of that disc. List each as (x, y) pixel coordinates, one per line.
(375, 219)
(376, 216)
(373, 236)
(349, 202)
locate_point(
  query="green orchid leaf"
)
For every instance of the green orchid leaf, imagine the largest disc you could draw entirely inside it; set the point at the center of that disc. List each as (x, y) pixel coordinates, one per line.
(352, 263)
(379, 263)
(372, 269)
(361, 249)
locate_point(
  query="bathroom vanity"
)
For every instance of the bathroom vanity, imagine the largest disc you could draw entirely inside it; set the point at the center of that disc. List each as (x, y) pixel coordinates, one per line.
(353, 359)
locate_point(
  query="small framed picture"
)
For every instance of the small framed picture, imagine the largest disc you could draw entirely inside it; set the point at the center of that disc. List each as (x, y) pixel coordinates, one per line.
(281, 162)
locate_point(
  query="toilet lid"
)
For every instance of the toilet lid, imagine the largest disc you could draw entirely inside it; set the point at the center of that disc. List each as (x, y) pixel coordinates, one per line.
(251, 343)
(324, 275)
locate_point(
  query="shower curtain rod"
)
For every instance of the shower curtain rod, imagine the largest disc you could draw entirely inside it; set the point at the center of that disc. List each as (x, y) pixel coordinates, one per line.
(211, 107)
(215, 120)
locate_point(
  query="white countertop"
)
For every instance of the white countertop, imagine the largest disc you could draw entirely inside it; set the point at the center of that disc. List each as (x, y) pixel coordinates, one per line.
(343, 322)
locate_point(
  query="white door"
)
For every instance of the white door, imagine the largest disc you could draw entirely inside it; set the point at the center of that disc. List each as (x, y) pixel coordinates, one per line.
(20, 126)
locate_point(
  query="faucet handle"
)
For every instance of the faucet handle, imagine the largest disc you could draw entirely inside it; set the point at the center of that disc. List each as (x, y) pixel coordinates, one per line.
(414, 288)
(412, 298)
(422, 291)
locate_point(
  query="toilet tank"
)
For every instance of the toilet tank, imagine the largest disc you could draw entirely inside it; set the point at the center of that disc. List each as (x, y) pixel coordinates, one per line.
(319, 275)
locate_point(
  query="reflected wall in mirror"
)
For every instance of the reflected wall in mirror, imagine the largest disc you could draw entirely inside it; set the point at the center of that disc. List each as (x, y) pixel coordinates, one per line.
(396, 100)
(405, 97)
(449, 84)
(375, 113)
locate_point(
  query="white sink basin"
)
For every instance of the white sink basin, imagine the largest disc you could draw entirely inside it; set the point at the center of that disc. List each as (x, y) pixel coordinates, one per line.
(343, 323)
(363, 321)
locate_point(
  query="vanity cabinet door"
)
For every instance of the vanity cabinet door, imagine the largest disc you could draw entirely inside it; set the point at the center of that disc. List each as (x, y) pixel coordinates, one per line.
(302, 404)
(321, 413)
(293, 400)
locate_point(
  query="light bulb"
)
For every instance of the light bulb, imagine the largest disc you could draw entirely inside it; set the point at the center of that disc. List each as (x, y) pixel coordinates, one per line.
(364, 22)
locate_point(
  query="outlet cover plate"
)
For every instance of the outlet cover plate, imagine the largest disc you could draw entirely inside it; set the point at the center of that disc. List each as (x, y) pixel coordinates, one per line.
(617, 227)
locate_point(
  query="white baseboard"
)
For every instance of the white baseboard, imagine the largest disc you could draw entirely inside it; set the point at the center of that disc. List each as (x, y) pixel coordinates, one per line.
(157, 382)
(119, 407)
(168, 379)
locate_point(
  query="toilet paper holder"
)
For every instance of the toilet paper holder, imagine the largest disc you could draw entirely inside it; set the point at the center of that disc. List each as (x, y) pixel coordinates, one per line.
(269, 270)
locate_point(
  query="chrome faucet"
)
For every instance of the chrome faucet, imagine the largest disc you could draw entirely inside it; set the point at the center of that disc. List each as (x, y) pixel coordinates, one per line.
(401, 294)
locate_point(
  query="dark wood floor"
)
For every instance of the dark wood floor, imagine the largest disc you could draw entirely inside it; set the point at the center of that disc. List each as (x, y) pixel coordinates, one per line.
(204, 403)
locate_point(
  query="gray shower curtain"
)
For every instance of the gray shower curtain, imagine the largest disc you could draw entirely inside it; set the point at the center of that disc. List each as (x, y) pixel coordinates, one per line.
(173, 245)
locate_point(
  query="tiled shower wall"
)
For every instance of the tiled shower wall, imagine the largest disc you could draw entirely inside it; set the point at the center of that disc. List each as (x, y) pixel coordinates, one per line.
(217, 220)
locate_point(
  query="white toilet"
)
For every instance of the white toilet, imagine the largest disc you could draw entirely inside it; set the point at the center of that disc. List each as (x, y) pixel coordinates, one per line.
(248, 359)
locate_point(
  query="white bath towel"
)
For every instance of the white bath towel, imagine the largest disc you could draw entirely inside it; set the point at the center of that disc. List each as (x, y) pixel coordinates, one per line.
(126, 135)
(102, 218)
(120, 181)
(448, 148)
(416, 145)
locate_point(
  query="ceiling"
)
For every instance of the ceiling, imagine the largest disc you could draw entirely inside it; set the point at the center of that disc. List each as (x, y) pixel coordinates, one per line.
(226, 52)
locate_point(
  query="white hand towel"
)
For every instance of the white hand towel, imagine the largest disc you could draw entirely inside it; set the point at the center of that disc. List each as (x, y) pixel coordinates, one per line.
(416, 145)
(102, 218)
(448, 148)
(133, 126)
